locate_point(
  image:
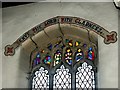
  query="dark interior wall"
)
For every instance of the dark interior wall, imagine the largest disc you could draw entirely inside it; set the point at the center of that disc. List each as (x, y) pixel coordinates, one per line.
(10, 4)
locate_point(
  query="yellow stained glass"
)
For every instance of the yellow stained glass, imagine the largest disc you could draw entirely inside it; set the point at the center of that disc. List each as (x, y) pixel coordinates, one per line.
(70, 44)
(79, 50)
(76, 44)
(68, 50)
(42, 51)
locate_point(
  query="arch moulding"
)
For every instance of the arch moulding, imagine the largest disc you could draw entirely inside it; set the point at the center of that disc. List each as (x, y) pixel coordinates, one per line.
(109, 37)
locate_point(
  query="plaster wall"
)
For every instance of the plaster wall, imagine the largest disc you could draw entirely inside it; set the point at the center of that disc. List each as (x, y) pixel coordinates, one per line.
(19, 19)
(0, 45)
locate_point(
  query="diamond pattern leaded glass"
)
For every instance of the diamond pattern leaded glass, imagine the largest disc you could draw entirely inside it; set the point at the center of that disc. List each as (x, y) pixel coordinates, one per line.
(41, 79)
(77, 77)
(85, 77)
(62, 78)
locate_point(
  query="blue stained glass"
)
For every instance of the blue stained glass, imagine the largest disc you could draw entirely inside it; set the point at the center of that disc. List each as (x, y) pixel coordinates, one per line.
(84, 45)
(57, 44)
(50, 47)
(69, 61)
(90, 49)
(38, 55)
(79, 55)
(34, 63)
(62, 46)
(36, 60)
(91, 54)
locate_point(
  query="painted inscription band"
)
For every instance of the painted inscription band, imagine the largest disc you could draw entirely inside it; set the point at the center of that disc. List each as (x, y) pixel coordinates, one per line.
(109, 37)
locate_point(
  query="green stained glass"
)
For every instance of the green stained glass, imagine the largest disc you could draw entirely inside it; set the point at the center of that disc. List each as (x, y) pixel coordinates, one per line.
(47, 59)
(67, 40)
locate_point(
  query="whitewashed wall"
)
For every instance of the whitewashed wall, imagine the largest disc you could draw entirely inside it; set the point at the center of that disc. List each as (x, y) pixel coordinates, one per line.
(119, 49)
(17, 20)
(0, 46)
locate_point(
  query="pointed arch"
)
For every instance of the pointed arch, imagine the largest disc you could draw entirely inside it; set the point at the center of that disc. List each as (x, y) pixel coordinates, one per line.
(109, 37)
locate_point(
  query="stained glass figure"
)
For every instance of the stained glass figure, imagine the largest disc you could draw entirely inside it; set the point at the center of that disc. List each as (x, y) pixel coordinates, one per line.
(62, 79)
(68, 56)
(57, 57)
(41, 79)
(47, 59)
(37, 59)
(77, 43)
(91, 54)
(79, 55)
(85, 77)
(50, 47)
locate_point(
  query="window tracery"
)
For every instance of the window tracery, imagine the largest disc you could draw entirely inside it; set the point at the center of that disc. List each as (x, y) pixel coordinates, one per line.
(79, 55)
(66, 60)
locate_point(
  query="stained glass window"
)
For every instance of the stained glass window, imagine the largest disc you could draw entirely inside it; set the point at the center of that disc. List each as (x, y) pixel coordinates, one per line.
(68, 56)
(56, 45)
(79, 55)
(47, 59)
(57, 57)
(62, 79)
(77, 43)
(41, 79)
(50, 46)
(65, 65)
(90, 54)
(42, 51)
(69, 42)
(85, 77)
(36, 59)
(84, 45)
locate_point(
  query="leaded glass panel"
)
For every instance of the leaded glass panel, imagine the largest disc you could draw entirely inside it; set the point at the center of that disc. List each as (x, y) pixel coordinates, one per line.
(85, 77)
(69, 63)
(62, 78)
(41, 79)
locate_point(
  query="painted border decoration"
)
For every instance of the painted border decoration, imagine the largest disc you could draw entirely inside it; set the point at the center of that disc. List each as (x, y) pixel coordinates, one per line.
(109, 37)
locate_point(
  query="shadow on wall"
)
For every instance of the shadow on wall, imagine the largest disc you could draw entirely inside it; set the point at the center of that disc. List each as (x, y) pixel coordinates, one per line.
(24, 69)
(119, 45)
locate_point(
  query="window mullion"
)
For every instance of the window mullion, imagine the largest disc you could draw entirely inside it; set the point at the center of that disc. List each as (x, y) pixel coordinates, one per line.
(73, 87)
(51, 81)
